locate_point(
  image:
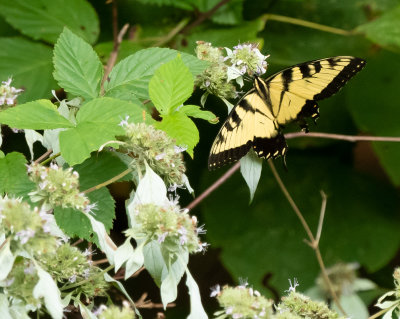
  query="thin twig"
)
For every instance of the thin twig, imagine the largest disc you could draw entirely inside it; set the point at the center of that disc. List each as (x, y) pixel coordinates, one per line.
(100, 261)
(113, 56)
(309, 233)
(321, 218)
(143, 303)
(172, 33)
(307, 24)
(110, 181)
(214, 186)
(204, 16)
(349, 138)
(77, 242)
(41, 158)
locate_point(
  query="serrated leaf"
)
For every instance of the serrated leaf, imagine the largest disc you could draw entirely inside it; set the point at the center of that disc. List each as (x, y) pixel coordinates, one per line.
(45, 20)
(30, 66)
(384, 30)
(250, 168)
(73, 223)
(78, 69)
(47, 288)
(36, 115)
(97, 123)
(181, 128)
(171, 85)
(131, 76)
(13, 176)
(197, 112)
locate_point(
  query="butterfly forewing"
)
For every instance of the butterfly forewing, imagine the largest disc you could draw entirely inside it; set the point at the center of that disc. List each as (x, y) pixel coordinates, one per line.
(287, 96)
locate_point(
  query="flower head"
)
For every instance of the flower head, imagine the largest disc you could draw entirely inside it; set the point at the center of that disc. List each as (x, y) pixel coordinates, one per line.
(168, 225)
(58, 187)
(143, 143)
(8, 93)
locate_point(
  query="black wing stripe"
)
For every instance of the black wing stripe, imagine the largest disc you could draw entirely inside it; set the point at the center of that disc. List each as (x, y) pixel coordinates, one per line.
(341, 79)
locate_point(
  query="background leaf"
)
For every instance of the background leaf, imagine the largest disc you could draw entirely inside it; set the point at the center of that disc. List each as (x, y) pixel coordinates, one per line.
(384, 30)
(265, 238)
(14, 180)
(29, 64)
(44, 20)
(77, 67)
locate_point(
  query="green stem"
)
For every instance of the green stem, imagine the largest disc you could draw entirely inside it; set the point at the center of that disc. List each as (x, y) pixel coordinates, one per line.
(306, 24)
(110, 181)
(86, 280)
(50, 159)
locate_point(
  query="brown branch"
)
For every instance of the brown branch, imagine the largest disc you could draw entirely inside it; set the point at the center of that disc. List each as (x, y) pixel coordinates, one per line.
(204, 16)
(314, 244)
(45, 155)
(148, 304)
(214, 186)
(114, 54)
(349, 138)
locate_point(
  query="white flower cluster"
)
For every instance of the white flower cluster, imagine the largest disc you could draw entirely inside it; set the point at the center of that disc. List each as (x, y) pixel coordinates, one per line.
(8, 94)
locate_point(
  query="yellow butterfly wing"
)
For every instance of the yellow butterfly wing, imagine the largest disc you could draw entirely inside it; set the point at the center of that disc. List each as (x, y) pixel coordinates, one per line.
(289, 95)
(294, 91)
(250, 123)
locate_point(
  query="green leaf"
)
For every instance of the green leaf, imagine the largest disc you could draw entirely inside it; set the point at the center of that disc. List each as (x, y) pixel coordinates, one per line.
(73, 223)
(126, 48)
(29, 64)
(171, 85)
(36, 115)
(183, 4)
(131, 76)
(226, 36)
(13, 176)
(265, 238)
(384, 30)
(250, 168)
(93, 171)
(181, 128)
(379, 120)
(77, 67)
(197, 112)
(45, 20)
(230, 13)
(97, 123)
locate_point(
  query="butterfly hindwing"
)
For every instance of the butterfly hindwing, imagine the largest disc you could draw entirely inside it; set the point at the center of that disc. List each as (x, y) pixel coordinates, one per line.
(249, 119)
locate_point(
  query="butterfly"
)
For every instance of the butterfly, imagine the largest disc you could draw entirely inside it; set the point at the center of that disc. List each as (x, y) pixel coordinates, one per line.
(287, 96)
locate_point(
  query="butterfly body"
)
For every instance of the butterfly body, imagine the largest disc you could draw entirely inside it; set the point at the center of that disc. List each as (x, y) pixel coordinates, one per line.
(287, 96)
